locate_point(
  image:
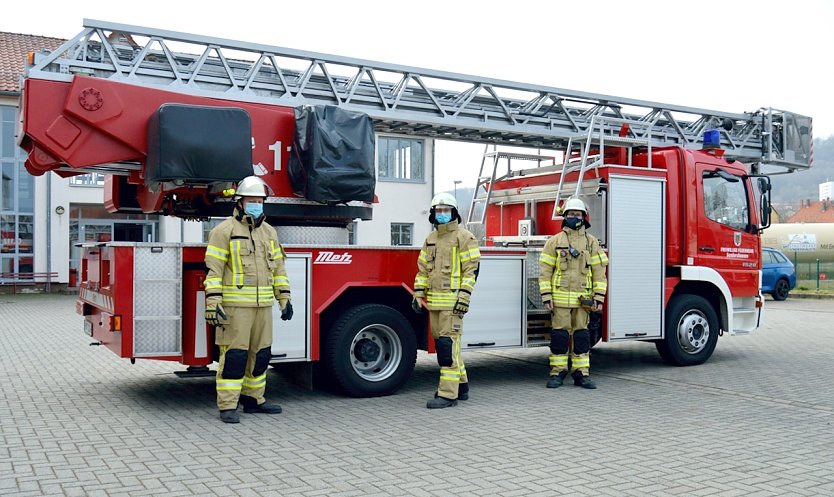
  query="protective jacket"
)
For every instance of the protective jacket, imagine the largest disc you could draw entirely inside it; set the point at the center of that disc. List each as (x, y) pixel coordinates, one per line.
(447, 267)
(246, 264)
(563, 278)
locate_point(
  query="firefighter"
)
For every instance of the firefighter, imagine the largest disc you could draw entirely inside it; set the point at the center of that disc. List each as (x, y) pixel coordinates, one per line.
(246, 275)
(572, 284)
(446, 272)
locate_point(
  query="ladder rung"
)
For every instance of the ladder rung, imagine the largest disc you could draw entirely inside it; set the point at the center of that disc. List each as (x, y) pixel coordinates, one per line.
(613, 140)
(623, 140)
(295, 77)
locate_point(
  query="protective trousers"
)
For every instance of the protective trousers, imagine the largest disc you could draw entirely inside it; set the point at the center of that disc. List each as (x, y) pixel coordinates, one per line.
(245, 350)
(570, 332)
(447, 329)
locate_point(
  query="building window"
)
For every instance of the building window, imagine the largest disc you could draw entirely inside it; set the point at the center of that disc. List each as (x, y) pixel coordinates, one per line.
(8, 148)
(17, 242)
(401, 233)
(91, 223)
(91, 179)
(400, 159)
(17, 203)
(209, 225)
(9, 189)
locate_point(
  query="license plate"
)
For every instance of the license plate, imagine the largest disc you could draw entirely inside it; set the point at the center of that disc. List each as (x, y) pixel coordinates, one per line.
(88, 328)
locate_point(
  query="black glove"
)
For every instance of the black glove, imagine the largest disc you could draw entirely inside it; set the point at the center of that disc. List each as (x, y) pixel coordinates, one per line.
(461, 307)
(595, 325)
(586, 304)
(286, 312)
(214, 313)
(415, 305)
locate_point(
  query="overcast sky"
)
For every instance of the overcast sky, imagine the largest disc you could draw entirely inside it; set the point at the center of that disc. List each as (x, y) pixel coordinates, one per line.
(733, 56)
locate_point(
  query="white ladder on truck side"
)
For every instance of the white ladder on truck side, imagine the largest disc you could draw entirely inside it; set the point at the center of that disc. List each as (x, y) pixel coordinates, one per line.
(604, 130)
(490, 161)
(407, 100)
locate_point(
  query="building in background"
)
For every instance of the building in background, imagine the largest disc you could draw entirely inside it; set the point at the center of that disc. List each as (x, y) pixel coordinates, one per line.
(17, 190)
(816, 212)
(43, 218)
(826, 190)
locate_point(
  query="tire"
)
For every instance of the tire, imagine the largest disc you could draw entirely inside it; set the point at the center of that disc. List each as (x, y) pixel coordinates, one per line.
(691, 331)
(781, 289)
(369, 351)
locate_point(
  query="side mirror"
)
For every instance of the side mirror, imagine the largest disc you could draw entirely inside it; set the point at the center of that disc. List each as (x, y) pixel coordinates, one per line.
(764, 202)
(764, 184)
(764, 213)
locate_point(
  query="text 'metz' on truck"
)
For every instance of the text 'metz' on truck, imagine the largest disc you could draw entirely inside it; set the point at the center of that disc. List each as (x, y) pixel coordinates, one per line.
(677, 197)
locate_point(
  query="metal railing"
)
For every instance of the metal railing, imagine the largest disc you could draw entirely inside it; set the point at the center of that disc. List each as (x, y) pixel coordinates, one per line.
(17, 279)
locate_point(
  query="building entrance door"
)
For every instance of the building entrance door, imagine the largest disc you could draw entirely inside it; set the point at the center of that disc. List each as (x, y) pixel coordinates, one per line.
(96, 232)
(133, 232)
(106, 231)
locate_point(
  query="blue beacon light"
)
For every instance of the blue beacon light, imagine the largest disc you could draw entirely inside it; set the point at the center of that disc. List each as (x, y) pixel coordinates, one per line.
(712, 138)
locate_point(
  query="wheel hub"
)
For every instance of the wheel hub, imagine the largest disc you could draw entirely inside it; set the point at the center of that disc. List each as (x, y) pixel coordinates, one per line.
(375, 352)
(366, 350)
(693, 332)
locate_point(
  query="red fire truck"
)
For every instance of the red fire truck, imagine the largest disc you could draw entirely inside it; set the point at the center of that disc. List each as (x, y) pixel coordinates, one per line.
(677, 197)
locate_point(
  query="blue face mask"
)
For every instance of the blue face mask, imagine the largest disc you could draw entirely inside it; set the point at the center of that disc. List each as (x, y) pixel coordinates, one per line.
(254, 210)
(443, 217)
(574, 223)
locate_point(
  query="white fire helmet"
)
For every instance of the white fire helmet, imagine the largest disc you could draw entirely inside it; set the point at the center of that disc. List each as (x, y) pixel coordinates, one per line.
(251, 186)
(444, 199)
(575, 204)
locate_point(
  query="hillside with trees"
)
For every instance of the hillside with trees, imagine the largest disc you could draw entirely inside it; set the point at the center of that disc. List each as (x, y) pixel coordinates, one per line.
(802, 185)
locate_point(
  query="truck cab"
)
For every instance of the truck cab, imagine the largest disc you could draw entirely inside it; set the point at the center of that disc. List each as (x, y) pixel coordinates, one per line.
(680, 226)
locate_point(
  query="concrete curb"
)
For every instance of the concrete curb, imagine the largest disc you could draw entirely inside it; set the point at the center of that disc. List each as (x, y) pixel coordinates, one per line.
(815, 296)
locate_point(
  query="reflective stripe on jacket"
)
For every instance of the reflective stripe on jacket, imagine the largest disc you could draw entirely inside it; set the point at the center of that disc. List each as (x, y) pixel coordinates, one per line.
(246, 264)
(563, 278)
(447, 266)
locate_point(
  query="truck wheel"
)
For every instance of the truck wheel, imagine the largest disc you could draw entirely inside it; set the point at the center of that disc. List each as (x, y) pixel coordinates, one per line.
(691, 331)
(369, 351)
(781, 290)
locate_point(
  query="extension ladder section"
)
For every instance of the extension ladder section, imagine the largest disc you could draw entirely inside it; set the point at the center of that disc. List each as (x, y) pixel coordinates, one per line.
(407, 100)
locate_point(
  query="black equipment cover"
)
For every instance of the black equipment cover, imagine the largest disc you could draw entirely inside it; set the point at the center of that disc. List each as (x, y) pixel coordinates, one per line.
(199, 144)
(333, 155)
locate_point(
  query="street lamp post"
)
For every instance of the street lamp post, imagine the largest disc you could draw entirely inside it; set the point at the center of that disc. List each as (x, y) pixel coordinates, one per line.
(456, 188)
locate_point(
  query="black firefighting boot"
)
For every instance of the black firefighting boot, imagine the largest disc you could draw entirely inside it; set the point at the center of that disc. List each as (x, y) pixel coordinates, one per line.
(250, 405)
(557, 380)
(463, 391)
(440, 403)
(229, 416)
(583, 381)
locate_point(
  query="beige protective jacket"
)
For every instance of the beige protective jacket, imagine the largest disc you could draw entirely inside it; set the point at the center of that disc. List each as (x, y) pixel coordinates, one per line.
(563, 278)
(246, 264)
(447, 267)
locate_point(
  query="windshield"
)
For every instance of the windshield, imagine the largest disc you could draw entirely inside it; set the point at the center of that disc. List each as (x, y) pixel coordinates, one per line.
(725, 201)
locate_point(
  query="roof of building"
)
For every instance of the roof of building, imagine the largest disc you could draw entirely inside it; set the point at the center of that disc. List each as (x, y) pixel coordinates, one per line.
(814, 212)
(13, 50)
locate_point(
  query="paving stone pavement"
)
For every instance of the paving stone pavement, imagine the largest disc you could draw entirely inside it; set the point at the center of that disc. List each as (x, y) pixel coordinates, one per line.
(755, 420)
